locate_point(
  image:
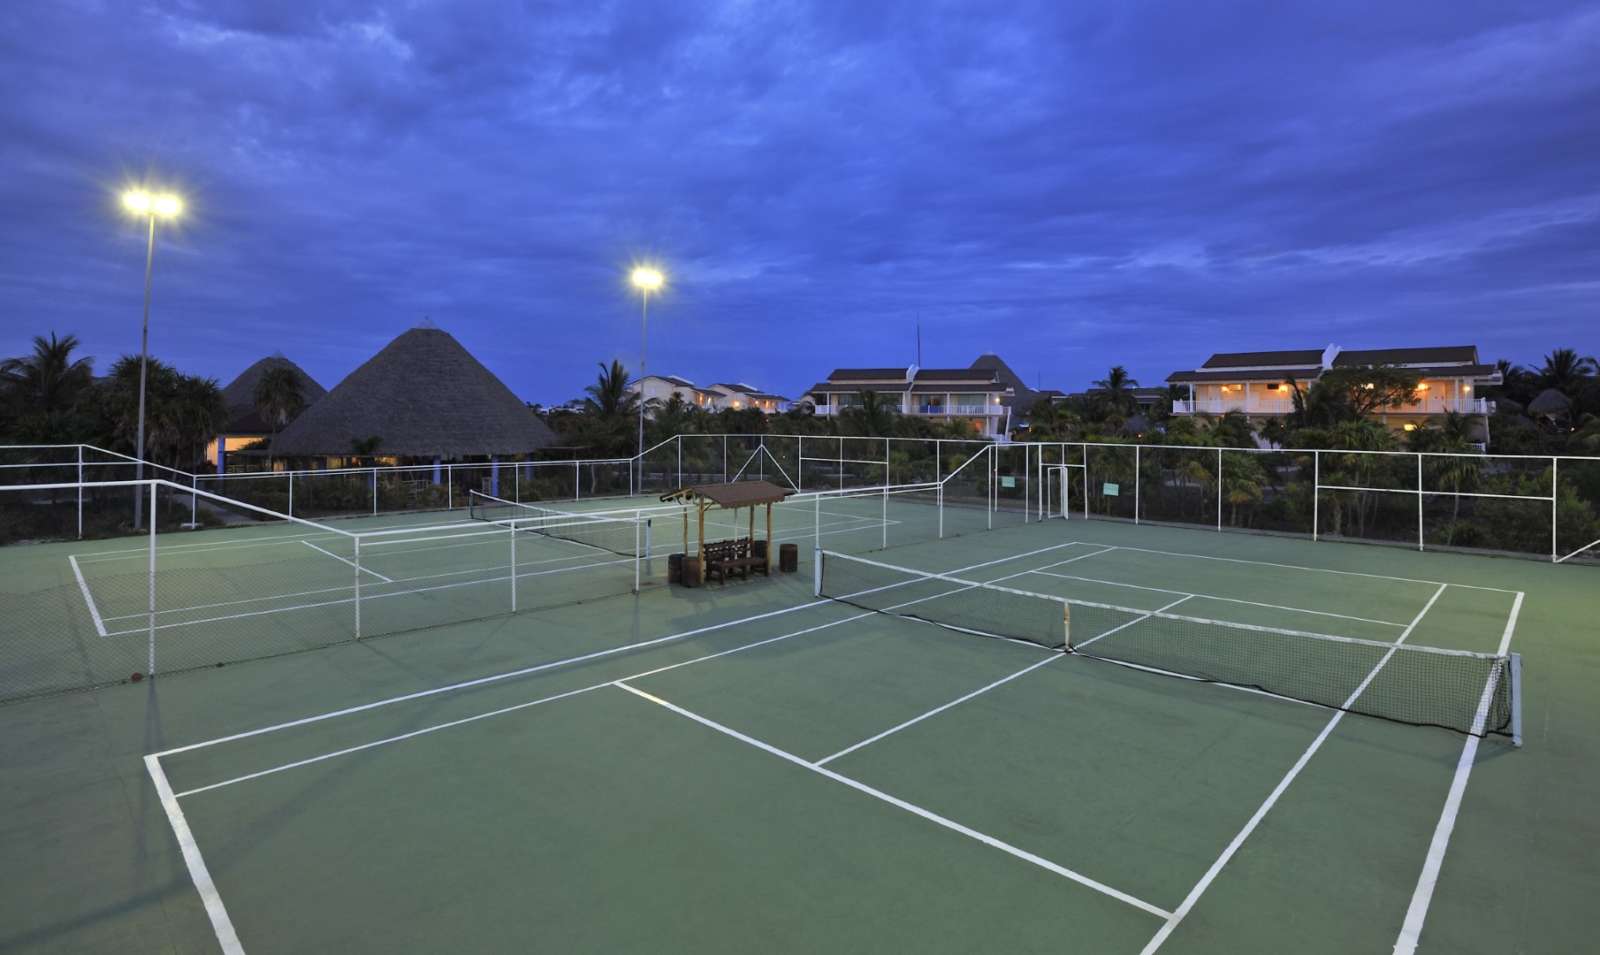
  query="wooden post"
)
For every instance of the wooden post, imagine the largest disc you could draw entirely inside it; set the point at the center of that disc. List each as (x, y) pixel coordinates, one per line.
(702, 508)
(751, 536)
(769, 537)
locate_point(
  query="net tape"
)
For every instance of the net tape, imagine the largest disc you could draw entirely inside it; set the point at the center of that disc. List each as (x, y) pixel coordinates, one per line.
(1460, 690)
(625, 536)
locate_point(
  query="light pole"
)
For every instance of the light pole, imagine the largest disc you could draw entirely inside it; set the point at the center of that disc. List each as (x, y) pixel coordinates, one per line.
(152, 206)
(646, 279)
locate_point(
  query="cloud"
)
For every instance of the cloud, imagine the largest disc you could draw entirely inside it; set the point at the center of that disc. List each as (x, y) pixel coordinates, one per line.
(1070, 187)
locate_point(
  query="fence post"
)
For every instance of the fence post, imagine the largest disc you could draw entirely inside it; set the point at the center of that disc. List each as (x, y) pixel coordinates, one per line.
(680, 461)
(151, 618)
(1137, 482)
(1419, 501)
(1316, 492)
(841, 462)
(80, 492)
(511, 527)
(357, 565)
(1219, 489)
(516, 481)
(194, 500)
(939, 501)
(449, 487)
(800, 463)
(994, 470)
(725, 457)
(1555, 494)
(291, 493)
(374, 492)
(577, 480)
(886, 481)
(816, 523)
(886, 516)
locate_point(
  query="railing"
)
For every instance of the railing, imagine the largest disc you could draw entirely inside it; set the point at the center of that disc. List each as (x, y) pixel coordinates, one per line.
(958, 409)
(1278, 406)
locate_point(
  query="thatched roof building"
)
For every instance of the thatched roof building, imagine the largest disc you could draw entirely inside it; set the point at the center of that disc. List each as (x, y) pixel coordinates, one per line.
(423, 396)
(240, 395)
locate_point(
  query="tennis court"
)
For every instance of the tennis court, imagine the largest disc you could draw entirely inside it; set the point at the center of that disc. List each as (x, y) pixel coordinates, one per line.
(753, 765)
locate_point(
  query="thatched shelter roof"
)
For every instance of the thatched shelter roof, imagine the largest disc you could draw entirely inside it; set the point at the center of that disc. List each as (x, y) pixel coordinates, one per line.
(1550, 403)
(240, 395)
(424, 396)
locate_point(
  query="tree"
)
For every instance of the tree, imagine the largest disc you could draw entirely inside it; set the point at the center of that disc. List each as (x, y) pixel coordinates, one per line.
(41, 390)
(1565, 371)
(365, 448)
(610, 397)
(1117, 387)
(1351, 394)
(278, 399)
(874, 417)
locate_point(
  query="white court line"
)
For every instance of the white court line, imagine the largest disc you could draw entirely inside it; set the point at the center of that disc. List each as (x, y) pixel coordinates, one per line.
(1283, 784)
(347, 562)
(912, 808)
(215, 911)
(88, 598)
(636, 676)
(582, 658)
(1427, 881)
(1318, 570)
(1231, 600)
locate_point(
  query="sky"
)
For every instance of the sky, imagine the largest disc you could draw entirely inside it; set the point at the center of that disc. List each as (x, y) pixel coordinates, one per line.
(1068, 185)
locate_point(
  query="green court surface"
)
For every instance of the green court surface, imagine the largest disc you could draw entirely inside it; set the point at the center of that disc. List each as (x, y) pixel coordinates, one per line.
(747, 767)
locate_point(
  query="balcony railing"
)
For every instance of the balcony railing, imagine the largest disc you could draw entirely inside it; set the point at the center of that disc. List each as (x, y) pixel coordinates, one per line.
(957, 409)
(1280, 406)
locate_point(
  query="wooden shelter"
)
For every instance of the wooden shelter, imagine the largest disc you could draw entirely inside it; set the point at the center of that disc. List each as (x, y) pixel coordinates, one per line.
(719, 558)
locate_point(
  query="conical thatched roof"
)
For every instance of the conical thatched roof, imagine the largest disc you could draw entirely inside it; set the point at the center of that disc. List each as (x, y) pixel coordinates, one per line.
(1024, 396)
(1550, 403)
(240, 395)
(423, 395)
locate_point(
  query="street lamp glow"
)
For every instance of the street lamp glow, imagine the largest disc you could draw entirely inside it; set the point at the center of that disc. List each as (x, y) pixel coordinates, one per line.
(140, 202)
(647, 279)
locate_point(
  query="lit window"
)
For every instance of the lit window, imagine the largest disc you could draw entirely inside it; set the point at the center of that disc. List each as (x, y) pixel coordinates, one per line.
(1369, 386)
(1410, 427)
(1422, 386)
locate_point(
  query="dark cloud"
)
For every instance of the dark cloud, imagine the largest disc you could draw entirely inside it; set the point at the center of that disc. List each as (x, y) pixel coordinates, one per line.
(1069, 185)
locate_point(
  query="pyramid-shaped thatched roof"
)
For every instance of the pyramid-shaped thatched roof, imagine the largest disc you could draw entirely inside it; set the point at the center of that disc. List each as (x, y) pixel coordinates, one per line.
(240, 395)
(423, 395)
(1024, 396)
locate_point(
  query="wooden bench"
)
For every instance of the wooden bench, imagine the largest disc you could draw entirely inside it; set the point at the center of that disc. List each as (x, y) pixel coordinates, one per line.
(726, 558)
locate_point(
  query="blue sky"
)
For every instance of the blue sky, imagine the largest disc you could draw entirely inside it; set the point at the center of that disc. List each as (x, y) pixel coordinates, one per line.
(1069, 185)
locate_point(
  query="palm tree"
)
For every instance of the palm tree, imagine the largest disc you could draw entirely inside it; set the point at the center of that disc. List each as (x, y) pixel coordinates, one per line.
(365, 448)
(610, 396)
(278, 399)
(198, 414)
(874, 417)
(42, 387)
(1118, 387)
(1565, 371)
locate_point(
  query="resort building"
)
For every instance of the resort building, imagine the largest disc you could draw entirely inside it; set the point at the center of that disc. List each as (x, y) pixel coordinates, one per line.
(1257, 383)
(979, 397)
(247, 433)
(735, 396)
(422, 399)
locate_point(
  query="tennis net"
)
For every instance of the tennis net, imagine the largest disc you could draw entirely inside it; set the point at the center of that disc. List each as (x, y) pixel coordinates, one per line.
(1473, 693)
(626, 536)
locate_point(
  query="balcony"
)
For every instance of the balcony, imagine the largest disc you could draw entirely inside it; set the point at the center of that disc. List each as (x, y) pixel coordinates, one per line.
(958, 409)
(1257, 405)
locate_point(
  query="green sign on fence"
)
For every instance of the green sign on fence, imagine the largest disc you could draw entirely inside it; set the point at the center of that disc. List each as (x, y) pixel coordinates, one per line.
(1110, 490)
(1006, 481)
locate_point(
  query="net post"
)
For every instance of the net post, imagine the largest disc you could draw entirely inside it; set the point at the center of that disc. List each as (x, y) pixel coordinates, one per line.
(939, 503)
(194, 500)
(641, 538)
(1516, 699)
(816, 521)
(1136, 482)
(80, 492)
(1219, 488)
(511, 529)
(989, 510)
(816, 572)
(357, 601)
(1316, 492)
(150, 619)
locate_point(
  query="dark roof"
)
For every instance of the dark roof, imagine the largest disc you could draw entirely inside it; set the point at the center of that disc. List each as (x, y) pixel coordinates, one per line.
(735, 386)
(930, 388)
(735, 494)
(986, 375)
(240, 395)
(1549, 402)
(868, 374)
(1251, 359)
(424, 395)
(1458, 371)
(1445, 354)
(1283, 374)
